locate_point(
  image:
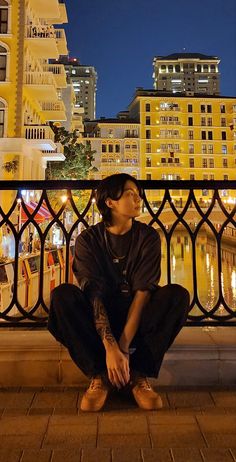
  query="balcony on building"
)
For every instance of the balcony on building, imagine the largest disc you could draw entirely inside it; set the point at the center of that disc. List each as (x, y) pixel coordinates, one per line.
(53, 110)
(42, 40)
(47, 9)
(62, 19)
(40, 136)
(61, 41)
(41, 85)
(59, 73)
(56, 155)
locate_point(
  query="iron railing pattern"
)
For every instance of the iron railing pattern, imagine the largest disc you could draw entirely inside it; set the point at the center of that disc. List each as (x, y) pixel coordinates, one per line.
(34, 317)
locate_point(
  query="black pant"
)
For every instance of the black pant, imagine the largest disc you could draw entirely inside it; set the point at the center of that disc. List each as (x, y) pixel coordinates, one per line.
(71, 323)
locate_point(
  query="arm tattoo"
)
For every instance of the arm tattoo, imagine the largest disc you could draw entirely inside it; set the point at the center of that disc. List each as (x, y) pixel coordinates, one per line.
(101, 322)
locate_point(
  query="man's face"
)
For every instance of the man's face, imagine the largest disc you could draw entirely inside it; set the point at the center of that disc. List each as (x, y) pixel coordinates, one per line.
(130, 202)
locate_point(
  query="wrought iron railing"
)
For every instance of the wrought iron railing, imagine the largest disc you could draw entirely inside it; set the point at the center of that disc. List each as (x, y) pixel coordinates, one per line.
(184, 208)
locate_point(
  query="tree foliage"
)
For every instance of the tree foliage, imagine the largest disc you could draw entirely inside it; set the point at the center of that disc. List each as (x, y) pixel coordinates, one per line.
(78, 157)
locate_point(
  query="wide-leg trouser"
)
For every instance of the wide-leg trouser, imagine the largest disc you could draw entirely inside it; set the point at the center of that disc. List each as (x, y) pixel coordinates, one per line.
(71, 323)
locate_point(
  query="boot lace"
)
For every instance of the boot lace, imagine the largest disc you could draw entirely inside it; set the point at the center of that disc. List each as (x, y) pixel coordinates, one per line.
(143, 383)
(96, 384)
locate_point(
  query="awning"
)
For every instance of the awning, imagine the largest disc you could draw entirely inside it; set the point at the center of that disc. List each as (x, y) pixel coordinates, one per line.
(42, 215)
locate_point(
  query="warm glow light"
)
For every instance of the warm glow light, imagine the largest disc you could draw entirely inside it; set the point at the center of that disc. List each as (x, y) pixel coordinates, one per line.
(64, 198)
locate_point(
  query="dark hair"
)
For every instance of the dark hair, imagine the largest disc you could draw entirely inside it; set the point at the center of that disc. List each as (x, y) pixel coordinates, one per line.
(113, 187)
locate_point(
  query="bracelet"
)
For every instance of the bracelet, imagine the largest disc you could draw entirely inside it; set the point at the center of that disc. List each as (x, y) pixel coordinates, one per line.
(124, 352)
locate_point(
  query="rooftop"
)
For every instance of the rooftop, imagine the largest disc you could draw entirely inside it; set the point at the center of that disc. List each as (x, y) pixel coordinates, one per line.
(185, 56)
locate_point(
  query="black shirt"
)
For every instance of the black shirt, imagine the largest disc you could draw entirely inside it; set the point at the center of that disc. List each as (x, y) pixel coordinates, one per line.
(94, 268)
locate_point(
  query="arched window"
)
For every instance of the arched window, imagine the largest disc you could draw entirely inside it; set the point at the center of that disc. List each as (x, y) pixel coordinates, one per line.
(2, 118)
(3, 63)
(3, 17)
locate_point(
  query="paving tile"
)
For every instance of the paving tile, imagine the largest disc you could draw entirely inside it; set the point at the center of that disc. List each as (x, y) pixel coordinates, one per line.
(190, 399)
(41, 411)
(126, 455)
(8, 455)
(156, 455)
(122, 440)
(157, 418)
(187, 455)
(99, 455)
(216, 455)
(189, 411)
(15, 412)
(22, 431)
(16, 400)
(135, 424)
(179, 431)
(65, 411)
(55, 399)
(41, 455)
(23, 441)
(73, 455)
(68, 431)
(217, 411)
(218, 432)
(224, 398)
(226, 424)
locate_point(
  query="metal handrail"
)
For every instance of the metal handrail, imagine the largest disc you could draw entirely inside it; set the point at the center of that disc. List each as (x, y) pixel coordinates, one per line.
(213, 316)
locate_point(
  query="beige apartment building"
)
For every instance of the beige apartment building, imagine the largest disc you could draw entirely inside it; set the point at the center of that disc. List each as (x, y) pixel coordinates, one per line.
(30, 87)
(117, 146)
(189, 73)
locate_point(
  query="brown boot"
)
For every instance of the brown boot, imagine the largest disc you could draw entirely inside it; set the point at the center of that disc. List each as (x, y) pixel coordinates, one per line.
(95, 396)
(144, 395)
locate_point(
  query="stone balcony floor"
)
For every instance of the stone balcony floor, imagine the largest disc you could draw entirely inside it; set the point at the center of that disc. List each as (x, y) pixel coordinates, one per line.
(44, 424)
(41, 389)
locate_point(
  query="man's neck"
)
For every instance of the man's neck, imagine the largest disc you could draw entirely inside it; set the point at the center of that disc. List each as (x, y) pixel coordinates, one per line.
(120, 227)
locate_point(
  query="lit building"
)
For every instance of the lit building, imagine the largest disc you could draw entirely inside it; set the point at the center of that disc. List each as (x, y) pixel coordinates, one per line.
(116, 142)
(169, 137)
(187, 73)
(30, 87)
(84, 80)
(185, 138)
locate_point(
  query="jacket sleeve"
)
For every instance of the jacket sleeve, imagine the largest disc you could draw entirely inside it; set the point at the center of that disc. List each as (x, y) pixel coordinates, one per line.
(87, 271)
(148, 269)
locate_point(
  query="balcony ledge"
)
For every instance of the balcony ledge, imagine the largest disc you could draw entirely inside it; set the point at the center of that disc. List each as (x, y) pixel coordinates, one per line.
(199, 357)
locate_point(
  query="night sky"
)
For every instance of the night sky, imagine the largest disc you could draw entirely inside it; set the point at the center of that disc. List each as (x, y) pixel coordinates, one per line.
(121, 37)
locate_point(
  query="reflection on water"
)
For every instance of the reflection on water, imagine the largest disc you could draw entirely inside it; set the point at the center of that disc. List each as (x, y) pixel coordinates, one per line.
(208, 278)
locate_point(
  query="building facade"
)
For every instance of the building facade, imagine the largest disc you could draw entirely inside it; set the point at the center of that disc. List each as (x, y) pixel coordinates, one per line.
(84, 81)
(187, 73)
(30, 87)
(117, 146)
(169, 137)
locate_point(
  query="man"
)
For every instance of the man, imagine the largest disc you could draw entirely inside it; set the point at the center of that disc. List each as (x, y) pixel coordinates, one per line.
(118, 324)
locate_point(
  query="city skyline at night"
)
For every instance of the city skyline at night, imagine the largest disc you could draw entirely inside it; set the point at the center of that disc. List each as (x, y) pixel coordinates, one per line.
(120, 39)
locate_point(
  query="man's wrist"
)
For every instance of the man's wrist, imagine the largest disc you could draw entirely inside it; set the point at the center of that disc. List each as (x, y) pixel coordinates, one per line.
(110, 345)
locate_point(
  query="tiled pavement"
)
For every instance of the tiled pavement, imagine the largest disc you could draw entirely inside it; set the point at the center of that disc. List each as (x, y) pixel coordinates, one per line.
(45, 425)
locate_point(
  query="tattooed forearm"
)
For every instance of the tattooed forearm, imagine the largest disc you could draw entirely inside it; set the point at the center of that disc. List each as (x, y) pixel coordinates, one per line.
(102, 323)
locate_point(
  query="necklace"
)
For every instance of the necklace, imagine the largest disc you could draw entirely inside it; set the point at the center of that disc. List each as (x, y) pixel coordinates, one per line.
(115, 258)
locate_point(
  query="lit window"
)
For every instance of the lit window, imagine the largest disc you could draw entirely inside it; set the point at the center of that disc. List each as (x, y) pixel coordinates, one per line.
(73, 71)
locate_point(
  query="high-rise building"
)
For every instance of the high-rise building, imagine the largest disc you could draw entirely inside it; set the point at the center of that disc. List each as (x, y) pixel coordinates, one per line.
(30, 87)
(187, 73)
(84, 80)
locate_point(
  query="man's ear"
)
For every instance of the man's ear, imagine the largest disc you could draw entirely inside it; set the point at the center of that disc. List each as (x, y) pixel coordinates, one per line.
(109, 202)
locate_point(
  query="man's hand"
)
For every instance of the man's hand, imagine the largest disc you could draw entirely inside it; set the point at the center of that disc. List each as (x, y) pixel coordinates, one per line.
(117, 366)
